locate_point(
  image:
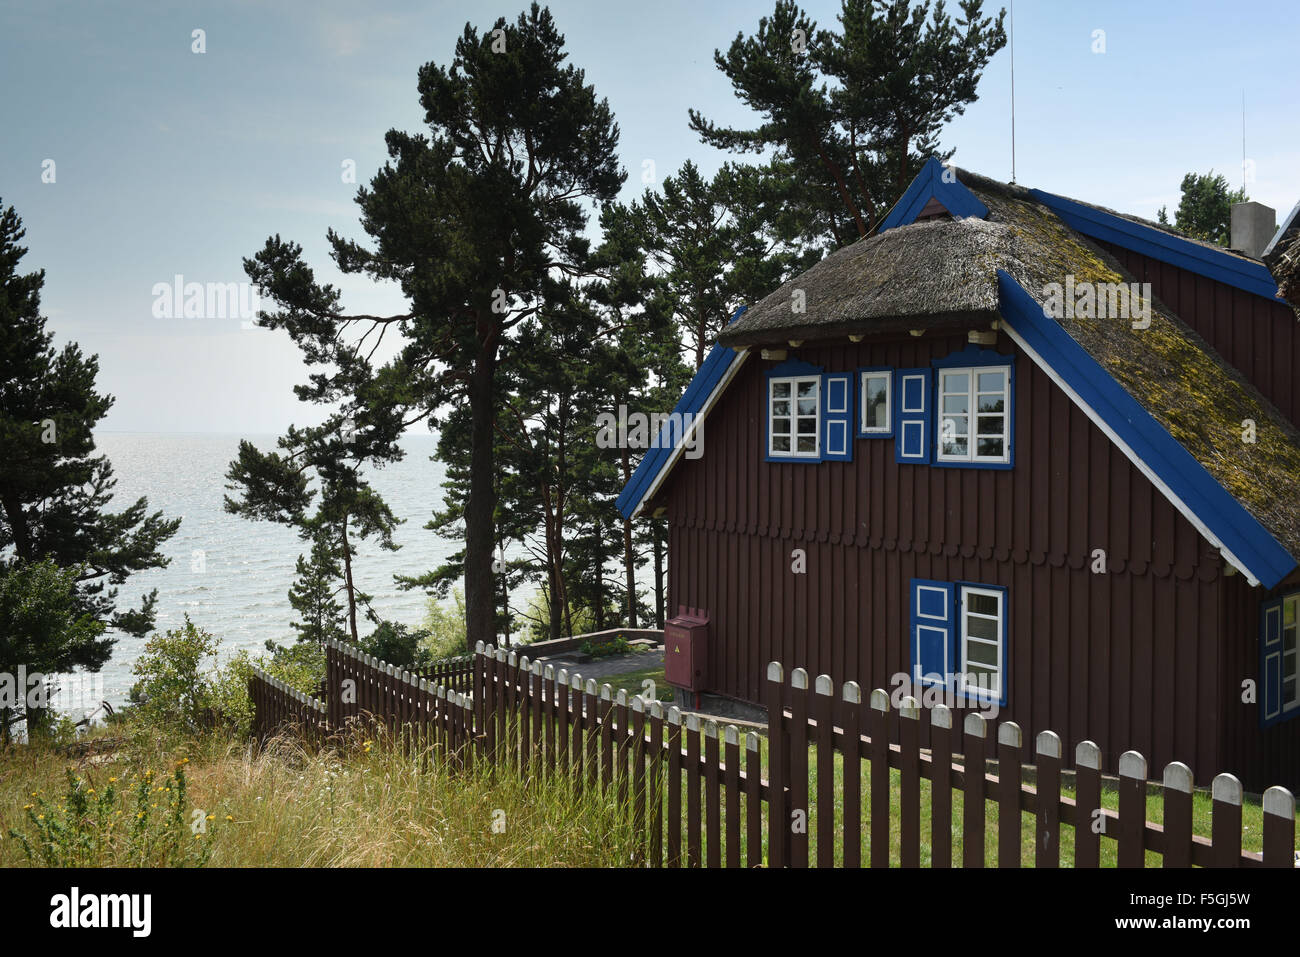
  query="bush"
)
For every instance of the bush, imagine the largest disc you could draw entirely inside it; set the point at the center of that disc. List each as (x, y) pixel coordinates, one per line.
(172, 691)
(91, 827)
(444, 628)
(301, 666)
(397, 645)
(606, 648)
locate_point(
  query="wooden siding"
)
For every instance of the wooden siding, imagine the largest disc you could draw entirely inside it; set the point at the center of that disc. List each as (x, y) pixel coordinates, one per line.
(1259, 757)
(1125, 658)
(1260, 337)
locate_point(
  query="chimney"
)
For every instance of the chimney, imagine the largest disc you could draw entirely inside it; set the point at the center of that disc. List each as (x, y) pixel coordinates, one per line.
(1252, 226)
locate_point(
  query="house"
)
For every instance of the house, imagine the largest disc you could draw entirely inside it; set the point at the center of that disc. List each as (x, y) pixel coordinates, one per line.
(1019, 450)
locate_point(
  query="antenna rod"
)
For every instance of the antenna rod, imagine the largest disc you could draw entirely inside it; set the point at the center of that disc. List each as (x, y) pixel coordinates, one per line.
(1013, 94)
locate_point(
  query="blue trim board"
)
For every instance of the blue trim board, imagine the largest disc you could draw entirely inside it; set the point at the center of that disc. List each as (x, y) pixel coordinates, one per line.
(928, 184)
(1238, 530)
(714, 369)
(1223, 267)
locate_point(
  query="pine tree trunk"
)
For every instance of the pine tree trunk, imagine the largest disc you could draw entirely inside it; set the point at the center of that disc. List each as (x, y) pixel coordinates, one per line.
(480, 600)
(347, 577)
(656, 536)
(629, 563)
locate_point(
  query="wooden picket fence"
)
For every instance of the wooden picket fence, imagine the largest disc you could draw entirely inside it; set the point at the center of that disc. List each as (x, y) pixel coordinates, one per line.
(277, 707)
(696, 794)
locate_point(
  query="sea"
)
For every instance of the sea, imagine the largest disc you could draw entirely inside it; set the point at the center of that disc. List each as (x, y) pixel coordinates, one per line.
(232, 575)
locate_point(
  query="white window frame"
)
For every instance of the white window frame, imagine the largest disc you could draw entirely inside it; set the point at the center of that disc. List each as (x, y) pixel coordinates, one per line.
(794, 382)
(972, 415)
(977, 690)
(1294, 602)
(888, 427)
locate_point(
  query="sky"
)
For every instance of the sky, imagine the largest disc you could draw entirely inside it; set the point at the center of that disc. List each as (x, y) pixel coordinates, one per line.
(133, 159)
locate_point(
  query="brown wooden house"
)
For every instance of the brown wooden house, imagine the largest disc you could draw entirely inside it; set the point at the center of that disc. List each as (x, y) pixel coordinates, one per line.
(974, 456)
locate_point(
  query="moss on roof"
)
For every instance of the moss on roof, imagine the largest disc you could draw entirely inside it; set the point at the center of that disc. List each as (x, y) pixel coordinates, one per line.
(1195, 394)
(917, 275)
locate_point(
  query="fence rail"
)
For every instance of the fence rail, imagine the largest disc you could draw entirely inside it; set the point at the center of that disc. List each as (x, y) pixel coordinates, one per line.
(860, 791)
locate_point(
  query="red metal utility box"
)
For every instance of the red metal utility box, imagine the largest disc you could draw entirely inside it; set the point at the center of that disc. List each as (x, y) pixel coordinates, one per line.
(686, 649)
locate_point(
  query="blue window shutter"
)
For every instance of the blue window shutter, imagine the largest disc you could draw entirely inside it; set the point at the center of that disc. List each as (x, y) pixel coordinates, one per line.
(934, 632)
(1269, 693)
(837, 416)
(913, 404)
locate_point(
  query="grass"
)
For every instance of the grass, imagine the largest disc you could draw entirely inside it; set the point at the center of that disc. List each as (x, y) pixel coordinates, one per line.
(368, 805)
(633, 681)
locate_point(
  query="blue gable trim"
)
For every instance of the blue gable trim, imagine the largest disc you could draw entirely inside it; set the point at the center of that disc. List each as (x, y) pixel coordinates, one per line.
(714, 369)
(929, 183)
(1216, 509)
(1212, 263)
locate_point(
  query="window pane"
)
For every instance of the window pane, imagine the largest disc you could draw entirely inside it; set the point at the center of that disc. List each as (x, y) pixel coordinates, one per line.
(1288, 611)
(953, 426)
(780, 443)
(992, 403)
(990, 425)
(780, 426)
(781, 407)
(807, 387)
(1288, 639)
(978, 654)
(981, 628)
(877, 402)
(807, 443)
(780, 390)
(1288, 690)
(982, 604)
(990, 449)
(807, 406)
(956, 403)
(956, 382)
(1288, 666)
(955, 446)
(807, 426)
(991, 381)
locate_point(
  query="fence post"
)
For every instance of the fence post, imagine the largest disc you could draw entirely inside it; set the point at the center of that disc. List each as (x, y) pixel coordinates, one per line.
(1090, 819)
(591, 711)
(941, 786)
(731, 784)
(797, 829)
(909, 783)
(1225, 823)
(975, 729)
(852, 698)
(622, 748)
(712, 797)
(692, 734)
(550, 718)
(606, 737)
(674, 787)
(638, 778)
(562, 721)
(654, 771)
(777, 819)
(879, 717)
(1132, 809)
(1279, 827)
(1177, 815)
(577, 727)
(823, 707)
(753, 802)
(1047, 836)
(1010, 741)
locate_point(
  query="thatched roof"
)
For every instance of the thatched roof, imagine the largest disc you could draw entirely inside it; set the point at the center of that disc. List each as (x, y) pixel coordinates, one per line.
(927, 273)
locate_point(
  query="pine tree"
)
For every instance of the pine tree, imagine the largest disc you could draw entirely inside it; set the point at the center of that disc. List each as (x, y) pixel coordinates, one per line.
(55, 492)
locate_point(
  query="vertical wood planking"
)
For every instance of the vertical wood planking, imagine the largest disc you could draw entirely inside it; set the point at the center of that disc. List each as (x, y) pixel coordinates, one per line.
(1132, 809)
(1225, 825)
(1047, 829)
(1087, 810)
(1010, 742)
(1177, 815)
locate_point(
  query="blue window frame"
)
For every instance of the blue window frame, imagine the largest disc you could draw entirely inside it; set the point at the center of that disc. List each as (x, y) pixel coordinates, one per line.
(974, 410)
(959, 638)
(809, 414)
(1279, 682)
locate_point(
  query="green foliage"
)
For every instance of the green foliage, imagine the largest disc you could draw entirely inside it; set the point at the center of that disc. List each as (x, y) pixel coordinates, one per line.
(1205, 209)
(850, 116)
(606, 648)
(444, 628)
(173, 689)
(313, 595)
(300, 665)
(398, 645)
(98, 826)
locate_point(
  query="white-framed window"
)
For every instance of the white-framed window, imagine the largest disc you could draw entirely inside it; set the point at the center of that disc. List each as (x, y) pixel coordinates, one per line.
(1290, 680)
(974, 414)
(876, 414)
(982, 631)
(794, 416)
